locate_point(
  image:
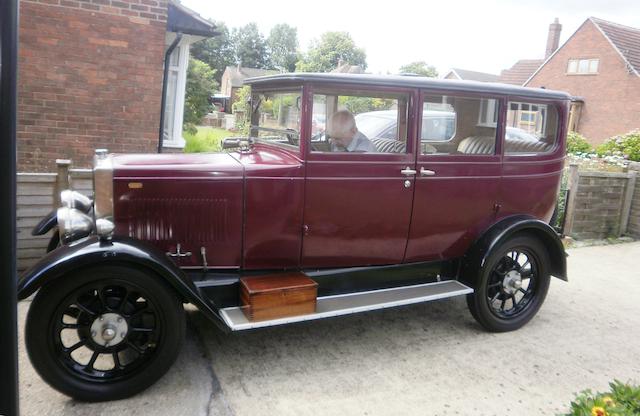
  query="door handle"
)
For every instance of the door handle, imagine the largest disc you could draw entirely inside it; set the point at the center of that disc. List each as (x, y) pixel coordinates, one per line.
(408, 171)
(427, 172)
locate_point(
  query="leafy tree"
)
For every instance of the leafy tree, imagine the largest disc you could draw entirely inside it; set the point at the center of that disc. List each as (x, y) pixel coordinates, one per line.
(420, 68)
(250, 47)
(283, 45)
(200, 85)
(323, 55)
(218, 52)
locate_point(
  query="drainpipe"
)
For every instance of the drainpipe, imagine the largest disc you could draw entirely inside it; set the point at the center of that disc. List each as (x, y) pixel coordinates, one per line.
(167, 57)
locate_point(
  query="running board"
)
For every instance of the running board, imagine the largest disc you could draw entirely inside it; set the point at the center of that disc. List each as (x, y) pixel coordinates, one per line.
(345, 304)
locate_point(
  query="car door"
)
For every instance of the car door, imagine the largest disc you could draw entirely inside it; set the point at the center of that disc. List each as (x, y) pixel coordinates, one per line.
(358, 204)
(458, 179)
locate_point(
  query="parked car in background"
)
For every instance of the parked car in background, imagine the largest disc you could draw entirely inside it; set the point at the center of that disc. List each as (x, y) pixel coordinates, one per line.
(286, 227)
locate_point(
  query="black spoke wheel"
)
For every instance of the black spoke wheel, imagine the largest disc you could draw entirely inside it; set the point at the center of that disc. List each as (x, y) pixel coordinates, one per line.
(512, 286)
(104, 333)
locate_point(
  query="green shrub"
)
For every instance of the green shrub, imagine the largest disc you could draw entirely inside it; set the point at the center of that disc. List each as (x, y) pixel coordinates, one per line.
(623, 399)
(242, 105)
(576, 143)
(627, 145)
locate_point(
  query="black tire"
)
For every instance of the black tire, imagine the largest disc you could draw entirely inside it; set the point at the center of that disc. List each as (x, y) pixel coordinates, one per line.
(495, 283)
(155, 328)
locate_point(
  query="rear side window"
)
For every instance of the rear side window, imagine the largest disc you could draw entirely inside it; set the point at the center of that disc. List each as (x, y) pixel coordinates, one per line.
(531, 128)
(458, 125)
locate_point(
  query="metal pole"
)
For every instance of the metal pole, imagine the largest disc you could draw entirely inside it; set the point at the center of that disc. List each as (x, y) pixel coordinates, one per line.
(8, 313)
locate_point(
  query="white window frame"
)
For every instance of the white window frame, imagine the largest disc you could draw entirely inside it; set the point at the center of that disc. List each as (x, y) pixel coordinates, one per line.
(174, 139)
(488, 111)
(592, 65)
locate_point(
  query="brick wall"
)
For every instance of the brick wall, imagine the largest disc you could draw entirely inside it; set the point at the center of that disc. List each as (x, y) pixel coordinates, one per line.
(611, 104)
(90, 76)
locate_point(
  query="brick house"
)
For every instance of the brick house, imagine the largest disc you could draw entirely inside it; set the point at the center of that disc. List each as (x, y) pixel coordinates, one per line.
(91, 76)
(599, 64)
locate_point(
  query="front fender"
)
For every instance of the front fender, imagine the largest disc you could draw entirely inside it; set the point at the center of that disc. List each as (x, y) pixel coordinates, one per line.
(484, 246)
(93, 251)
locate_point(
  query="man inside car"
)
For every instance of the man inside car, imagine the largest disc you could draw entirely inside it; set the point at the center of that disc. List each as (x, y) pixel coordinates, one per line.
(344, 134)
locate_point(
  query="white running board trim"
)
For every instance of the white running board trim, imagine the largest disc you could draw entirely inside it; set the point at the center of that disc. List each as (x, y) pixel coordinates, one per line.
(345, 304)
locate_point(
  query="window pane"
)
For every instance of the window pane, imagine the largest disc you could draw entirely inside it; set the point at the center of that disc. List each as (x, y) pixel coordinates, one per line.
(530, 131)
(169, 110)
(583, 66)
(359, 121)
(573, 66)
(450, 125)
(276, 117)
(593, 66)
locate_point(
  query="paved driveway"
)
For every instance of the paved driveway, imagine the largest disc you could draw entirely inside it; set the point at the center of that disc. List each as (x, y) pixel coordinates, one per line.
(423, 359)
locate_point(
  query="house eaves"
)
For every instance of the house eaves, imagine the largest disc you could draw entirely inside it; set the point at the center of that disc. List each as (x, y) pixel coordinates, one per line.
(184, 20)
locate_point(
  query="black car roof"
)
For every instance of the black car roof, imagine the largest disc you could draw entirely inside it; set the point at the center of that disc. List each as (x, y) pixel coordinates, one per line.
(407, 81)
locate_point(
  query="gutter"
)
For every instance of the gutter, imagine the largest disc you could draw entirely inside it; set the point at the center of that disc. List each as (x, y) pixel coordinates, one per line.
(165, 75)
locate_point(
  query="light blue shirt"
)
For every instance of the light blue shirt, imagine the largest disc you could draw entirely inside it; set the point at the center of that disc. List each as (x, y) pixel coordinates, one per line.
(359, 144)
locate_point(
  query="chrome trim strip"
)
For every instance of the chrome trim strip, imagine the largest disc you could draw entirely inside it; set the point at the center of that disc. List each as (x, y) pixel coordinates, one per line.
(330, 306)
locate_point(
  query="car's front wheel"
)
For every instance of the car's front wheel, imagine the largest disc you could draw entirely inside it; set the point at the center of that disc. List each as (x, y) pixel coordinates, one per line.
(512, 285)
(104, 333)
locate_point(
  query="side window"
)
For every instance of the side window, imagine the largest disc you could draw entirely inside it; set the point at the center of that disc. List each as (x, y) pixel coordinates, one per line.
(458, 125)
(531, 128)
(359, 122)
(275, 117)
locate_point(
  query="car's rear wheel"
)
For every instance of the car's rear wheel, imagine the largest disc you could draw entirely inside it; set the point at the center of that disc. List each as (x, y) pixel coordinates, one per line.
(104, 333)
(512, 285)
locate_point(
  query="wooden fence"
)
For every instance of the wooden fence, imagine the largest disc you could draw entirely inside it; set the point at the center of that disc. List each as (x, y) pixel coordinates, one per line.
(37, 195)
(603, 204)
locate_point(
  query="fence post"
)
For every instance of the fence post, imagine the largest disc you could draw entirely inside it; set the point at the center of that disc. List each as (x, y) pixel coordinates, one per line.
(626, 202)
(572, 185)
(62, 180)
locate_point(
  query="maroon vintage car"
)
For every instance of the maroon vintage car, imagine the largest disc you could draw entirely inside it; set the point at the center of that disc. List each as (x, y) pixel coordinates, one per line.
(307, 218)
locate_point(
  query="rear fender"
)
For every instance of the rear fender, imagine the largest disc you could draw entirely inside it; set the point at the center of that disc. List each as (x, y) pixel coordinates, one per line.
(476, 257)
(92, 251)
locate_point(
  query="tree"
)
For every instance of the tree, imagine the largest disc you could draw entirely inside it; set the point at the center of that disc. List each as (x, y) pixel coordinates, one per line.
(323, 55)
(200, 85)
(218, 52)
(420, 68)
(283, 47)
(250, 47)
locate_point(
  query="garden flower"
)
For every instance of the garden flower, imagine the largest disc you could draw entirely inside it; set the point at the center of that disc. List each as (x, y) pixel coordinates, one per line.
(608, 401)
(598, 411)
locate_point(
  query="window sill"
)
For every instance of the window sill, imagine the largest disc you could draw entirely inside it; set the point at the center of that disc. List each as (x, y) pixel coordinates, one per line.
(174, 145)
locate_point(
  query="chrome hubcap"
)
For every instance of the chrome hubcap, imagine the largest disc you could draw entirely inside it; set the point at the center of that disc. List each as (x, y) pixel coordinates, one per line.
(512, 282)
(109, 329)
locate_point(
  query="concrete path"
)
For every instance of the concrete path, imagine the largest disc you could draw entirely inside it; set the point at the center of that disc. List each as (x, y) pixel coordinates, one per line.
(424, 359)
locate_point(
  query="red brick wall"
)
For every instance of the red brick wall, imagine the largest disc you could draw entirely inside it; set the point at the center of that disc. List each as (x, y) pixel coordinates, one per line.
(90, 76)
(611, 97)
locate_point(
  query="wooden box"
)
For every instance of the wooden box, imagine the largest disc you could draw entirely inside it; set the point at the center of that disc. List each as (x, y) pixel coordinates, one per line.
(277, 296)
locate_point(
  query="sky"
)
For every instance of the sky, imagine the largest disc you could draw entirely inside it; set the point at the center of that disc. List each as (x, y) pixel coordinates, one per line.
(480, 35)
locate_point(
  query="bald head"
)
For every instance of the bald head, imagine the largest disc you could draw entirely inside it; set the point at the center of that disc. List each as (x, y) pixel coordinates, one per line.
(342, 124)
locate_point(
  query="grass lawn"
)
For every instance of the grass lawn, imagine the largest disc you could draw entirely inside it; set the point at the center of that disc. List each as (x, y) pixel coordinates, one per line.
(207, 139)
